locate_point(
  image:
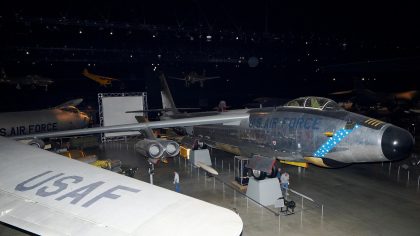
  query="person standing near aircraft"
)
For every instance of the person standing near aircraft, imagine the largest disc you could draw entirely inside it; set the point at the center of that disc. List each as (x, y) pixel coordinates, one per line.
(284, 182)
(176, 181)
(279, 174)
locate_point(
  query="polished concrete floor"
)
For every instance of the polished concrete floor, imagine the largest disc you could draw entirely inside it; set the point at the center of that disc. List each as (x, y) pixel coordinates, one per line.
(368, 199)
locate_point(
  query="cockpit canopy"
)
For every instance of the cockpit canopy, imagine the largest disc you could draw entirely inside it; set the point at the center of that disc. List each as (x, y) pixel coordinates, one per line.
(72, 109)
(318, 103)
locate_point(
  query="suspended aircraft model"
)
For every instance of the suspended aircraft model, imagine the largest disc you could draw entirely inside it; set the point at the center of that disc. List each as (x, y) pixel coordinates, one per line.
(193, 77)
(30, 80)
(363, 96)
(102, 80)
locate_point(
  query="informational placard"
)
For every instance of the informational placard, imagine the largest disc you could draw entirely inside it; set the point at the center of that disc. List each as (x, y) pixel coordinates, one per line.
(113, 109)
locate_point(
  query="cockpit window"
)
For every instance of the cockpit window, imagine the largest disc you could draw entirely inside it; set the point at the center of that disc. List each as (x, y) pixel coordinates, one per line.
(318, 103)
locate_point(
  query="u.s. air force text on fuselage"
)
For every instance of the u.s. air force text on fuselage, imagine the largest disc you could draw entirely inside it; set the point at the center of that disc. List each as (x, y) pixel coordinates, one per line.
(29, 129)
(291, 122)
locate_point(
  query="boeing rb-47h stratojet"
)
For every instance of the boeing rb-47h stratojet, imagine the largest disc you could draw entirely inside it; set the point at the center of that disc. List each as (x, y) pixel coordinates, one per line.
(306, 130)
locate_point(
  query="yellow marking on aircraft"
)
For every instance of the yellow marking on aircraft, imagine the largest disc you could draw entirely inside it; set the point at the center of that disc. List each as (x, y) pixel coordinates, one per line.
(228, 148)
(373, 122)
(316, 161)
(102, 80)
(329, 134)
(184, 152)
(376, 123)
(295, 163)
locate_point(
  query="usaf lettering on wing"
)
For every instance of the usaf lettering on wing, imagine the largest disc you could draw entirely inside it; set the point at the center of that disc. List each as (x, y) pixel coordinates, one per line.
(29, 129)
(61, 183)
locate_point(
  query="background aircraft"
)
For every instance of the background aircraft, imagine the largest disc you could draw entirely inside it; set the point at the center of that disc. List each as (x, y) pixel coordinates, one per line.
(364, 97)
(63, 117)
(193, 77)
(102, 80)
(30, 80)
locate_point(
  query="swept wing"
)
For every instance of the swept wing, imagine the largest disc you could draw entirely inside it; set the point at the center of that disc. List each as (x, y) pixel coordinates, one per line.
(47, 194)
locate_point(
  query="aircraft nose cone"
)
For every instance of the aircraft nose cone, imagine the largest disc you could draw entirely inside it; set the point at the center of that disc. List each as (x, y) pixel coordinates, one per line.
(396, 143)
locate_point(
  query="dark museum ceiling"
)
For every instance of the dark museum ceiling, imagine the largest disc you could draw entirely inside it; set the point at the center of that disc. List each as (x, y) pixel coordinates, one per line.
(281, 44)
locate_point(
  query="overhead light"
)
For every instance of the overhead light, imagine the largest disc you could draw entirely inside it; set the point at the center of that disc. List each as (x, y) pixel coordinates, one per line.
(80, 32)
(27, 52)
(111, 33)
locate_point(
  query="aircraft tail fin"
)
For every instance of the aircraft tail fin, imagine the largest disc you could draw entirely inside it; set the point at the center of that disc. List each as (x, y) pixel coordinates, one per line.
(167, 99)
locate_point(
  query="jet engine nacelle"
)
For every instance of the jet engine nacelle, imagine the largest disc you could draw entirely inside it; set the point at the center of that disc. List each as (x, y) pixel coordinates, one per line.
(171, 147)
(150, 148)
(157, 148)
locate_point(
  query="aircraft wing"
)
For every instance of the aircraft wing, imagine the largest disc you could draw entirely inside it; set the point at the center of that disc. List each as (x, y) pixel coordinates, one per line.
(47, 194)
(204, 120)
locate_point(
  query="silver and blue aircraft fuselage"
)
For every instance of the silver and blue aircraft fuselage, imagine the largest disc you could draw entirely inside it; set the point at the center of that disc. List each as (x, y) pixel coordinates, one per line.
(312, 130)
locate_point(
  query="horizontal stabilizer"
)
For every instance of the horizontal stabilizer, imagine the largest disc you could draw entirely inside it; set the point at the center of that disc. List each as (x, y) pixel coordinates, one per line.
(207, 168)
